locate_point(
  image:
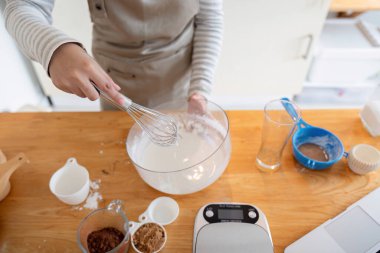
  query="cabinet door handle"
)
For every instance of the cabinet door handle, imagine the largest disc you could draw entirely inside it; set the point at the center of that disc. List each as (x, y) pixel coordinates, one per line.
(310, 39)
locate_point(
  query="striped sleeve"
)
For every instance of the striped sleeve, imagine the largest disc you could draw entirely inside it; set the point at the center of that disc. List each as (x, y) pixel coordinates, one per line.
(207, 41)
(29, 22)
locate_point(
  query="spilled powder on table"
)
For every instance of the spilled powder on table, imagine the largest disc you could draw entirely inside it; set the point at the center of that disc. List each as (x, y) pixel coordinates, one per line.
(93, 198)
(95, 185)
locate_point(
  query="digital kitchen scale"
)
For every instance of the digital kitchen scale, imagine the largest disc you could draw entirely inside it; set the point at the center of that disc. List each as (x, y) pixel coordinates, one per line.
(231, 227)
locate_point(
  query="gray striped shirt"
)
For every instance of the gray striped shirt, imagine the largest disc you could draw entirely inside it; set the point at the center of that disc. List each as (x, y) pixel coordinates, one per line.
(29, 22)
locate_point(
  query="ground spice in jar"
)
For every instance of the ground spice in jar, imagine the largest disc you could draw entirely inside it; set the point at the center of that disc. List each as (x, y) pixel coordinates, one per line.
(103, 240)
(149, 238)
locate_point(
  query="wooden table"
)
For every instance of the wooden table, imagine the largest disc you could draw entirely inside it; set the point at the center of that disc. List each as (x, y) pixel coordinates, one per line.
(354, 5)
(295, 199)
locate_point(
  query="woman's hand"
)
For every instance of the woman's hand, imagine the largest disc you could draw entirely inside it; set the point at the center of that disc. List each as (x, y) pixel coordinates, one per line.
(197, 104)
(72, 70)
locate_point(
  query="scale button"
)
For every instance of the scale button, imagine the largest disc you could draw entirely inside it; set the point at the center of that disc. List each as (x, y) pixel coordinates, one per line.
(252, 214)
(209, 213)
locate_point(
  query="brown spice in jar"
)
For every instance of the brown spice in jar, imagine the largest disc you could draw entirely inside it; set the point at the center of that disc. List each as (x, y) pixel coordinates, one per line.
(149, 238)
(103, 240)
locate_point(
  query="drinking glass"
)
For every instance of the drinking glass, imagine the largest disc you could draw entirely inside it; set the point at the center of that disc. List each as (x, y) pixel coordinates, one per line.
(278, 126)
(110, 216)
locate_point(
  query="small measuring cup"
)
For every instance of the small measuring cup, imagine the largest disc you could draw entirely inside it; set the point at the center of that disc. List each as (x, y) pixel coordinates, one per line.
(363, 158)
(306, 133)
(71, 183)
(111, 216)
(134, 226)
(161, 211)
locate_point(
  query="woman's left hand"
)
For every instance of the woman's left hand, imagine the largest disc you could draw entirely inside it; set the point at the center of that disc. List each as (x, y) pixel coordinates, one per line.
(197, 104)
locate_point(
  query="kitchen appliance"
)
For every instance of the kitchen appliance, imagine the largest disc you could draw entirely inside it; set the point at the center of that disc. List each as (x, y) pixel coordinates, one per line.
(199, 157)
(356, 230)
(231, 227)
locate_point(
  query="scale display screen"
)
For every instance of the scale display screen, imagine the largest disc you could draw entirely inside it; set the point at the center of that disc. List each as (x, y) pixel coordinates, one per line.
(213, 213)
(230, 214)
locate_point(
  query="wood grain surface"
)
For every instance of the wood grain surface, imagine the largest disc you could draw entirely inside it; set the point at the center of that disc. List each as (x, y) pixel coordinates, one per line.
(294, 199)
(354, 5)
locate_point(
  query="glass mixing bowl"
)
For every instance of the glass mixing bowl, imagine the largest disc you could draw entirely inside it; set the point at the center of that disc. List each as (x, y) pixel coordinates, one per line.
(199, 157)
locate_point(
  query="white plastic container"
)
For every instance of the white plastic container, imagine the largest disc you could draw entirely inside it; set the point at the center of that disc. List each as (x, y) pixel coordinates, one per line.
(347, 52)
(363, 159)
(71, 183)
(370, 114)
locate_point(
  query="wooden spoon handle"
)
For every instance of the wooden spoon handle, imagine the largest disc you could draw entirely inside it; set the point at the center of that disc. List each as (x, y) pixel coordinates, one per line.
(9, 167)
(3, 158)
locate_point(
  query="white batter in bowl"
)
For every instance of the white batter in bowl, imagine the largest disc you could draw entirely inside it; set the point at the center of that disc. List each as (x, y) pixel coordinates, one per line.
(198, 159)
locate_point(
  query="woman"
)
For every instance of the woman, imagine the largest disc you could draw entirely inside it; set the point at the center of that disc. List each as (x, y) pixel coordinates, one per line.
(151, 51)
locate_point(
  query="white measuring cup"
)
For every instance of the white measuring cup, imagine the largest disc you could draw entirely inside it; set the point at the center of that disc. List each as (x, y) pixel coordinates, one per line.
(71, 183)
(161, 211)
(363, 159)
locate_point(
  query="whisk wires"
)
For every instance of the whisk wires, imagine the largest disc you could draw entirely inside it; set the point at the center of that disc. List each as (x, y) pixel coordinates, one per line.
(161, 128)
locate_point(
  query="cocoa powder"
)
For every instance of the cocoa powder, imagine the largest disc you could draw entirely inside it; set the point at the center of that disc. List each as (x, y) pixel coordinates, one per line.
(103, 240)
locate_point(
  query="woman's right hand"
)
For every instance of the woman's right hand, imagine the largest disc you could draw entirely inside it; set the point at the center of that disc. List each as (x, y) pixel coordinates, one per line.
(72, 70)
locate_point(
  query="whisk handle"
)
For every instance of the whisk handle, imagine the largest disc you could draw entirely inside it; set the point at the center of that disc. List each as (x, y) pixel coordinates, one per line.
(127, 102)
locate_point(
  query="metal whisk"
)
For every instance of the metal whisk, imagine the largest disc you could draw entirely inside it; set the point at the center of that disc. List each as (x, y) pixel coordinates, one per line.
(161, 128)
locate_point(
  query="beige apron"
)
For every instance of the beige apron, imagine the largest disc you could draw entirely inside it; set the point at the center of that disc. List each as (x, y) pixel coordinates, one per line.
(145, 46)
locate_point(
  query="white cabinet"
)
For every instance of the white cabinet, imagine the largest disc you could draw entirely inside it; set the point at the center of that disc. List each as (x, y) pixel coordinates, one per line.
(267, 49)
(348, 53)
(345, 68)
